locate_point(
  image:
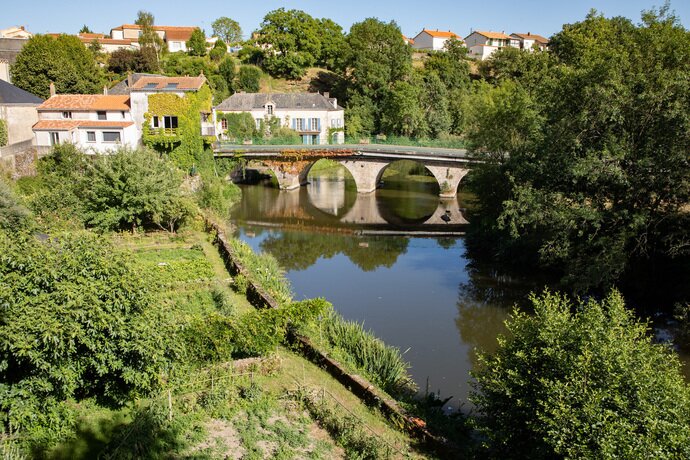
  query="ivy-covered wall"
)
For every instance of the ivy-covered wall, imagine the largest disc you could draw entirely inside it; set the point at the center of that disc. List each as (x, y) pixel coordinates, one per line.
(186, 145)
(3, 133)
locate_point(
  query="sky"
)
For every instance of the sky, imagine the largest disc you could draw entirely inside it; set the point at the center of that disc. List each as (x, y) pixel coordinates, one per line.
(460, 16)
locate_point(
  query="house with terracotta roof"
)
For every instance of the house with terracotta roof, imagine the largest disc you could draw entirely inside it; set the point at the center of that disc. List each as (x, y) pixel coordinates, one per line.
(96, 123)
(532, 42)
(316, 117)
(433, 40)
(482, 44)
(408, 41)
(174, 37)
(108, 45)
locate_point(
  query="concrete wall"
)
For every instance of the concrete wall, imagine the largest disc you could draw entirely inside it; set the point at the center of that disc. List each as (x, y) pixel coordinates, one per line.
(19, 118)
(423, 41)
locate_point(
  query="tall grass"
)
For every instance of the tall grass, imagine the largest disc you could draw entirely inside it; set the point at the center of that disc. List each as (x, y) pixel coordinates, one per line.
(382, 363)
(264, 270)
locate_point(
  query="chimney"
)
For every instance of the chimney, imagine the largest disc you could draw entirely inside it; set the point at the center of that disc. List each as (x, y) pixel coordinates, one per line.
(335, 103)
(529, 33)
(105, 90)
(326, 94)
(130, 80)
(52, 89)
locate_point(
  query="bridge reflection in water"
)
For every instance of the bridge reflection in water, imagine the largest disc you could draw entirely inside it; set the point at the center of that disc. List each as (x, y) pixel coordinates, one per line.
(334, 203)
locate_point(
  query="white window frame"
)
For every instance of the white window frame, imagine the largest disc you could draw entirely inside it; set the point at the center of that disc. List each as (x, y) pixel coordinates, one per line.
(102, 113)
(119, 137)
(94, 137)
(54, 137)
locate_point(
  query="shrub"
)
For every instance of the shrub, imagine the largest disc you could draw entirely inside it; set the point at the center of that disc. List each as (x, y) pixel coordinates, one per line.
(131, 189)
(13, 216)
(3, 133)
(582, 381)
(77, 320)
(248, 79)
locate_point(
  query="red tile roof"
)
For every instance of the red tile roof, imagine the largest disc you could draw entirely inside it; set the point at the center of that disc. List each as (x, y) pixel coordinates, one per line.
(534, 37)
(183, 83)
(499, 35)
(68, 125)
(85, 102)
(441, 33)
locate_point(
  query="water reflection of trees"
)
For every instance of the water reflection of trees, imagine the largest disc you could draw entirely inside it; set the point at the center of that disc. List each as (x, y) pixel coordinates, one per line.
(300, 250)
(484, 303)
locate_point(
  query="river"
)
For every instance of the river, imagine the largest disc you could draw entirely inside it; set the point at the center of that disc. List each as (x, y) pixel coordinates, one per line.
(393, 260)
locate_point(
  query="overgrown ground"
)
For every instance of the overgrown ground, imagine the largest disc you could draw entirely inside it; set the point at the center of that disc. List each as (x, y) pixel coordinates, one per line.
(280, 406)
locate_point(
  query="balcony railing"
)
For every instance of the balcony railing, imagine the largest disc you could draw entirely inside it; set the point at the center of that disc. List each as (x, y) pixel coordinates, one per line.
(208, 131)
(163, 131)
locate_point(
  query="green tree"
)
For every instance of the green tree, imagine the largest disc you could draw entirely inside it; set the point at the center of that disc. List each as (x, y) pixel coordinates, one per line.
(148, 36)
(402, 114)
(196, 45)
(249, 79)
(434, 103)
(131, 189)
(451, 65)
(332, 44)
(64, 61)
(601, 181)
(85, 30)
(226, 69)
(227, 29)
(219, 50)
(142, 60)
(583, 381)
(292, 40)
(241, 126)
(76, 322)
(13, 215)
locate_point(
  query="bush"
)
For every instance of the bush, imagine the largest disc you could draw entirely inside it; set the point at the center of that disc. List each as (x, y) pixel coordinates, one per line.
(3, 133)
(582, 381)
(131, 189)
(13, 216)
(249, 78)
(77, 321)
(218, 195)
(241, 126)
(219, 50)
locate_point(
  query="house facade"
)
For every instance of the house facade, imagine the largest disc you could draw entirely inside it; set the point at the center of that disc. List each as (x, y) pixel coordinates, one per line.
(433, 40)
(481, 44)
(531, 42)
(317, 118)
(18, 112)
(108, 45)
(93, 122)
(175, 38)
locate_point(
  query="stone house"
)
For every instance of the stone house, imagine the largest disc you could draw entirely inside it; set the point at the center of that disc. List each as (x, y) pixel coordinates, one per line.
(317, 118)
(18, 113)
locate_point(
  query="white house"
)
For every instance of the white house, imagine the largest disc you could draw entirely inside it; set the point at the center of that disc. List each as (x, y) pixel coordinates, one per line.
(174, 37)
(433, 39)
(95, 123)
(483, 44)
(108, 45)
(316, 117)
(531, 42)
(18, 111)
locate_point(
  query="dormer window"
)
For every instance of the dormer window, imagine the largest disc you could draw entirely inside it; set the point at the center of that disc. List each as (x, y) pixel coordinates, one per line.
(269, 109)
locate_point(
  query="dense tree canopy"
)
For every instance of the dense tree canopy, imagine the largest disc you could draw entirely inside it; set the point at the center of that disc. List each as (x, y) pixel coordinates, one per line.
(593, 146)
(582, 381)
(196, 45)
(227, 30)
(63, 60)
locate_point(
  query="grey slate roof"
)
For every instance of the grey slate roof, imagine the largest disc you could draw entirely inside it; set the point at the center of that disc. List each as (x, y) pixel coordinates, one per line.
(245, 102)
(122, 88)
(10, 94)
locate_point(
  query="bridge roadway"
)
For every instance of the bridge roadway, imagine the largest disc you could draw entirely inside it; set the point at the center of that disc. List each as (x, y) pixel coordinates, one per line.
(365, 162)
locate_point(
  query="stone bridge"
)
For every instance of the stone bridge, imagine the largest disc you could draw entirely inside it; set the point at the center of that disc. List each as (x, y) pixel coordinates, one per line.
(366, 163)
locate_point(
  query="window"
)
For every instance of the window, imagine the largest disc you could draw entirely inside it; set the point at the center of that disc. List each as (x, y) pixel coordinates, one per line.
(111, 136)
(336, 123)
(269, 109)
(101, 115)
(155, 122)
(171, 86)
(90, 136)
(151, 86)
(314, 124)
(257, 121)
(224, 124)
(169, 122)
(299, 124)
(54, 138)
(66, 114)
(122, 112)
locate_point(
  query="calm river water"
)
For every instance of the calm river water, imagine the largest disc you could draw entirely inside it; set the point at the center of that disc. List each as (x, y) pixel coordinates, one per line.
(394, 260)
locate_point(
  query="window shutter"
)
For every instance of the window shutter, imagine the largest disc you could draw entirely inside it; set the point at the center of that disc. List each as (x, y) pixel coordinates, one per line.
(294, 121)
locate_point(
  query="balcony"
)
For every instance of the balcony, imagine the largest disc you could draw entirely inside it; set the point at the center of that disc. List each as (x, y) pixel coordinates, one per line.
(208, 130)
(163, 131)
